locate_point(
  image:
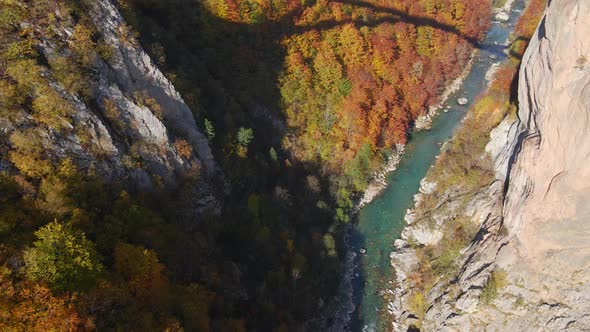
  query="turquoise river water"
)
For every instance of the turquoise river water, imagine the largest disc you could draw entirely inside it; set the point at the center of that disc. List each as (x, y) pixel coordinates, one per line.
(380, 222)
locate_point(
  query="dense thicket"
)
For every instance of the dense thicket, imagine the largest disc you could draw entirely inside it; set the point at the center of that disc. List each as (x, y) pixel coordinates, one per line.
(300, 100)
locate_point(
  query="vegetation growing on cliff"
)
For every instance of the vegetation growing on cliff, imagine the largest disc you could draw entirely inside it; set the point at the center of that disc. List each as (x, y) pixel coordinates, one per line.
(464, 168)
(495, 283)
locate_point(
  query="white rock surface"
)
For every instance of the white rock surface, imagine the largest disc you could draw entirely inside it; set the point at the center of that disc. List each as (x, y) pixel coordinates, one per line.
(422, 235)
(379, 180)
(546, 206)
(462, 101)
(134, 71)
(427, 187)
(502, 17)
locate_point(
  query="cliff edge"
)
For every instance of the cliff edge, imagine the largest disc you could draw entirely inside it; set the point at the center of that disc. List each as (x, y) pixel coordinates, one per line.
(528, 267)
(546, 210)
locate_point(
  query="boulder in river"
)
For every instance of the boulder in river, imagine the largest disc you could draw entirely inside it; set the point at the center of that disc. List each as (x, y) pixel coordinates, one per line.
(502, 17)
(462, 101)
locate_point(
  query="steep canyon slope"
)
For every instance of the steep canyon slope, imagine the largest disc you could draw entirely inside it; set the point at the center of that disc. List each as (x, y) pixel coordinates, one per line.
(528, 267)
(98, 100)
(546, 205)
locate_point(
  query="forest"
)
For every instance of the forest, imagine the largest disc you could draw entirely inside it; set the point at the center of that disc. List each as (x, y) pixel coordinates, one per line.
(333, 85)
(301, 102)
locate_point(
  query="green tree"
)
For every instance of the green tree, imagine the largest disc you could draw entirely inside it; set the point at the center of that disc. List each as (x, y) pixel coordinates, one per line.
(273, 154)
(330, 244)
(359, 169)
(62, 257)
(209, 129)
(245, 136)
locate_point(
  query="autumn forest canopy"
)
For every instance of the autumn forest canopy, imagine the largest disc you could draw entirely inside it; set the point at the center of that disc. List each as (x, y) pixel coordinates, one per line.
(300, 100)
(347, 78)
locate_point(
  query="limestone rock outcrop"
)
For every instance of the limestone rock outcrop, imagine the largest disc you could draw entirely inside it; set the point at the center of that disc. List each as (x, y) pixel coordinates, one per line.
(132, 125)
(535, 217)
(132, 70)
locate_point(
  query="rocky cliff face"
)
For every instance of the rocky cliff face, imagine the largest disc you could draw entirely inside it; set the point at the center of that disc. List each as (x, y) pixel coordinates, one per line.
(131, 124)
(534, 218)
(130, 71)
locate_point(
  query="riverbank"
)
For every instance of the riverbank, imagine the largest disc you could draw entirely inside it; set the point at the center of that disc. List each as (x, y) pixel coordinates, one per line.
(379, 181)
(424, 122)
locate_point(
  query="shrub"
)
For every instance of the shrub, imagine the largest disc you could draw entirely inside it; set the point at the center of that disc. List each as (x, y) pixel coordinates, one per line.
(184, 149)
(112, 112)
(127, 35)
(495, 283)
(519, 302)
(105, 51)
(70, 76)
(143, 99)
(27, 73)
(418, 305)
(10, 207)
(141, 269)
(83, 45)
(51, 108)
(20, 50)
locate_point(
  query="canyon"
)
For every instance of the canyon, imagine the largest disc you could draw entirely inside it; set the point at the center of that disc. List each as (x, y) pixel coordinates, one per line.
(205, 165)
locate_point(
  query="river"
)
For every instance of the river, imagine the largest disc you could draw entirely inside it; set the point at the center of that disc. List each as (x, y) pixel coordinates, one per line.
(380, 222)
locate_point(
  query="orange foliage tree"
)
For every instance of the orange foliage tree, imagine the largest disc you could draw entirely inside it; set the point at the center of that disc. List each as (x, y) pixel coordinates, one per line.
(28, 306)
